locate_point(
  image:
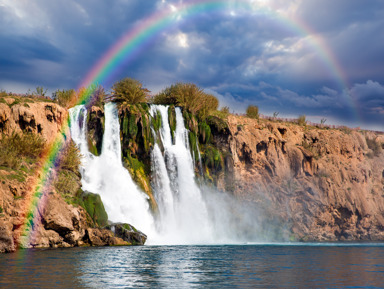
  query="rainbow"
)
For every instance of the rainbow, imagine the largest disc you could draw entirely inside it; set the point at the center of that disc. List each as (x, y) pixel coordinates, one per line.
(135, 41)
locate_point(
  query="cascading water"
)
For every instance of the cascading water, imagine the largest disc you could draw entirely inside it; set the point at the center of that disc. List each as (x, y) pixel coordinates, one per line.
(106, 176)
(185, 216)
(183, 213)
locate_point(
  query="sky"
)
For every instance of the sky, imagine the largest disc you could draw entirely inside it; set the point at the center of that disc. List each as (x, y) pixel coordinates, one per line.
(319, 58)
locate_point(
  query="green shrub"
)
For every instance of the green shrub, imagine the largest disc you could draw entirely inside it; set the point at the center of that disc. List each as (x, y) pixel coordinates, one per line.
(64, 97)
(67, 181)
(71, 158)
(129, 91)
(188, 96)
(16, 148)
(253, 111)
(40, 91)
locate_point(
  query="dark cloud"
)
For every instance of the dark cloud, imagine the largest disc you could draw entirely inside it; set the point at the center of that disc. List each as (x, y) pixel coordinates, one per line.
(242, 57)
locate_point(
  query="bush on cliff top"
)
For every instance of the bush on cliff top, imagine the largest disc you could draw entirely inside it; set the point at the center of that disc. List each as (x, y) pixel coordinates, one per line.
(253, 111)
(129, 91)
(190, 97)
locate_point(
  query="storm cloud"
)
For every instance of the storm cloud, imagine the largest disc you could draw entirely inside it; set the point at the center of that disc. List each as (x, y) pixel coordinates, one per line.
(258, 57)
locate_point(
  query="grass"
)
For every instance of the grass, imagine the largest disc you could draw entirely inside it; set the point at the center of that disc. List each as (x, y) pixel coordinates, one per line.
(18, 149)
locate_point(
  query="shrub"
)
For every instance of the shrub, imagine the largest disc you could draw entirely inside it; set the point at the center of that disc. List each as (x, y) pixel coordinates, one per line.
(302, 120)
(14, 149)
(40, 91)
(188, 96)
(67, 181)
(253, 111)
(3, 93)
(64, 97)
(129, 91)
(98, 96)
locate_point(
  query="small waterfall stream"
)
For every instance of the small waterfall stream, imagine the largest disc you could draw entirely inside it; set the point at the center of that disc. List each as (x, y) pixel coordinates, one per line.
(183, 213)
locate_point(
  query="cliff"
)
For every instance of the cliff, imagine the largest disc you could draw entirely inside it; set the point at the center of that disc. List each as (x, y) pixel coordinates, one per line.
(317, 184)
(64, 216)
(325, 184)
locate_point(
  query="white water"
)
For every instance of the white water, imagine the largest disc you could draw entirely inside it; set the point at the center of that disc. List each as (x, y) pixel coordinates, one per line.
(183, 214)
(184, 217)
(106, 176)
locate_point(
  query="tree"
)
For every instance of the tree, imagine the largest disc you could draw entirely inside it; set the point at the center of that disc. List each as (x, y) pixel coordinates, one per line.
(253, 111)
(129, 91)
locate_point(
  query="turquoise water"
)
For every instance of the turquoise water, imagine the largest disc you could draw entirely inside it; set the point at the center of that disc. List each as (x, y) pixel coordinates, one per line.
(239, 266)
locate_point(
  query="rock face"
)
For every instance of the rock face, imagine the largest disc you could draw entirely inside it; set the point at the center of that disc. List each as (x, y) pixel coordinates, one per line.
(45, 118)
(325, 185)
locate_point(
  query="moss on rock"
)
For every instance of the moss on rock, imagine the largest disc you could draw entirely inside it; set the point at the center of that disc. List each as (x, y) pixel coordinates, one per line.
(94, 206)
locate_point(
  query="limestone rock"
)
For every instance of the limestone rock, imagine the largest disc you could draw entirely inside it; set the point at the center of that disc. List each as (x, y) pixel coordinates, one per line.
(128, 233)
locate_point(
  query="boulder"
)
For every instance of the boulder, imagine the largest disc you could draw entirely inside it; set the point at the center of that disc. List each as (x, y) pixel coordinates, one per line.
(128, 233)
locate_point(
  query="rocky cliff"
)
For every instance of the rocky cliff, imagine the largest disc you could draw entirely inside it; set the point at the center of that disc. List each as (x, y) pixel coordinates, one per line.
(65, 215)
(317, 184)
(325, 184)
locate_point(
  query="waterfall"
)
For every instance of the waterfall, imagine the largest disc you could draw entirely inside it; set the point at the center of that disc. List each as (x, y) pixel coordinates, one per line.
(186, 214)
(183, 213)
(105, 174)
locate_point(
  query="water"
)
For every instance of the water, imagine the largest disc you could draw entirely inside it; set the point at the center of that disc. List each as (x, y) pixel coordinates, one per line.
(106, 176)
(241, 266)
(184, 217)
(188, 213)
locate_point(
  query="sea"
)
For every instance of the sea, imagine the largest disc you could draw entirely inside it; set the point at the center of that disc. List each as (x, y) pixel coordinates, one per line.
(287, 265)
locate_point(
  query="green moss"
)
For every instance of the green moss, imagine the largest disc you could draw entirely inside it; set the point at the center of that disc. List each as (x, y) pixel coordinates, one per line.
(156, 122)
(140, 172)
(217, 124)
(94, 206)
(193, 145)
(129, 227)
(213, 158)
(145, 106)
(172, 120)
(204, 132)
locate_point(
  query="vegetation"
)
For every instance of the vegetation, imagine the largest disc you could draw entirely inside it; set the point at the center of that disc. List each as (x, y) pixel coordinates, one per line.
(94, 206)
(3, 93)
(40, 91)
(190, 97)
(129, 91)
(67, 181)
(302, 120)
(98, 96)
(253, 111)
(63, 97)
(17, 149)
